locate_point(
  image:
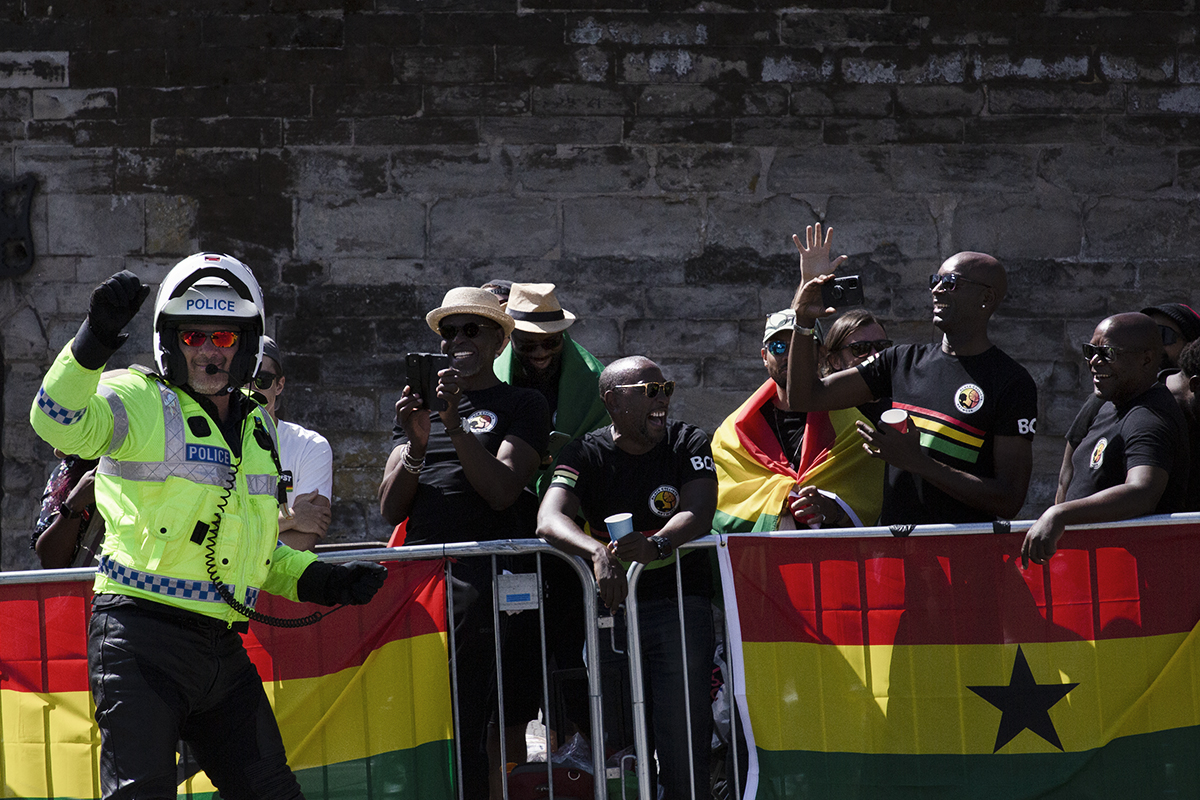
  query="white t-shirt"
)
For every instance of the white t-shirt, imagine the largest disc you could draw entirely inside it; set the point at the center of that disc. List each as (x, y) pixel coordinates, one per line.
(309, 457)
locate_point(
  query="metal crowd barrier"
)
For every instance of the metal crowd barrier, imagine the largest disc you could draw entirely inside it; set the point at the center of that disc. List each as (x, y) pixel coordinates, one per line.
(594, 622)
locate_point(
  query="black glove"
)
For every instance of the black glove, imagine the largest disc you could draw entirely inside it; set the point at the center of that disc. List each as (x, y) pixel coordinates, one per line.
(354, 583)
(114, 303)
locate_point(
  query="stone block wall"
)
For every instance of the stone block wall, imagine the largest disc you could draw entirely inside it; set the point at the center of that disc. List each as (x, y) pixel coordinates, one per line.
(651, 157)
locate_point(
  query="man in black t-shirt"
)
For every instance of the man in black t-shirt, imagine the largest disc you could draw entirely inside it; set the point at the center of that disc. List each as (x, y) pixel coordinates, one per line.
(968, 452)
(461, 475)
(660, 471)
(1134, 458)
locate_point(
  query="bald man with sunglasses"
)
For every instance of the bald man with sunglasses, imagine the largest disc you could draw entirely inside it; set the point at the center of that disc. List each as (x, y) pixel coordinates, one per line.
(661, 471)
(1135, 458)
(967, 454)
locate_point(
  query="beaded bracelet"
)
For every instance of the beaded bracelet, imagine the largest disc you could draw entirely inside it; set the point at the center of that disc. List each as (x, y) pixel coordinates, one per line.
(409, 463)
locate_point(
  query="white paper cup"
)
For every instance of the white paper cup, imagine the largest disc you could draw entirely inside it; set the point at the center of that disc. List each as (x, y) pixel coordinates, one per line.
(895, 417)
(619, 525)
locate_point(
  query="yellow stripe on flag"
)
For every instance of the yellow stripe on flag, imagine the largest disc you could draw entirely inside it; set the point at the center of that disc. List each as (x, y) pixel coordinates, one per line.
(913, 699)
(51, 745)
(364, 711)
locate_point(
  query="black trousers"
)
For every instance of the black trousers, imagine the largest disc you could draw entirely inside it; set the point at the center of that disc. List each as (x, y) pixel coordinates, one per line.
(159, 675)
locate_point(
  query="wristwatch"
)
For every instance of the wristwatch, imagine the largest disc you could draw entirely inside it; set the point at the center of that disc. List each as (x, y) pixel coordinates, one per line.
(663, 545)
(65, 511)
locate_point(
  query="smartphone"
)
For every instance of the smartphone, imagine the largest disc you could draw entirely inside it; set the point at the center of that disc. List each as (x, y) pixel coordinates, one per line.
(422, 375)
(841, 292)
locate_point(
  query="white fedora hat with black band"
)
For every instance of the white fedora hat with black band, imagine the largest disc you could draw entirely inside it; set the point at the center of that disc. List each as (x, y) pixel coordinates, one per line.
(469, 300)
(535, 309)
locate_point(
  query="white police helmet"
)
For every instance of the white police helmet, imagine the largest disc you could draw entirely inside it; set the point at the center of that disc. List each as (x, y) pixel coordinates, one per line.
(208, 288)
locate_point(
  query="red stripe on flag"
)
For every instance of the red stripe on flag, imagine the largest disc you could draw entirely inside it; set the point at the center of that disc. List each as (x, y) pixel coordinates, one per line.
(43, 636)
(1103, 584)
(411, 603)
(956, 423)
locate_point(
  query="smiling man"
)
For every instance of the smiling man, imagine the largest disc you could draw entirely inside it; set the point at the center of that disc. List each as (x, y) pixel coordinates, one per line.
(1134, 458)
(188, 472)
(461, 474)
(660, 471)
(968, 452)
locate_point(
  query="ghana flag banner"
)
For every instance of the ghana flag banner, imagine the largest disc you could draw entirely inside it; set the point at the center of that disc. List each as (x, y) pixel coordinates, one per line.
(362, 697)
(934, 666)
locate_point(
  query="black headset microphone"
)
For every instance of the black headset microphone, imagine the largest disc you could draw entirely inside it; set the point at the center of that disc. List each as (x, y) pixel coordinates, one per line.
(213, 369)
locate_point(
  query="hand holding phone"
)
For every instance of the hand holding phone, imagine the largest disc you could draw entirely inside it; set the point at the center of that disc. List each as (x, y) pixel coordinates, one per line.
(422, 376)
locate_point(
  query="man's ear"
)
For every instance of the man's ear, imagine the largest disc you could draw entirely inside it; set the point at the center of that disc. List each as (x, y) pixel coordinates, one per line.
(279, 386)
(1194, 384)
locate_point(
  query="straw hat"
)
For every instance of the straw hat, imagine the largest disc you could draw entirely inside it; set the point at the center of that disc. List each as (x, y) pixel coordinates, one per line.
(535, 309)
(470, 300)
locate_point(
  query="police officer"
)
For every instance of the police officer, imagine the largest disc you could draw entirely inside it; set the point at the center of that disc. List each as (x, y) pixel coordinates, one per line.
(188, 486)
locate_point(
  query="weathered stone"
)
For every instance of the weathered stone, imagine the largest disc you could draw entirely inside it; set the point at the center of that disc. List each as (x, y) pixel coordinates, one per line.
(786, 132)
(1033, 129)
(217, 132)
(818, 28)
(897, 131)
(91, 224)
(901, 65)
(676, 130)
(687, 100)
(637, 31)
(697, 303)
(366, 101)
(1032, 66)
(552, 130)
(796, 67)
(1144, 65)
(477, 99)
(1152, 131)
(763, 227)
(493, 227)
(1043, 225)
(74, 103)
(1178, 100)
(825, 170)
(582, 100)
(355, 173)
(171, 224)
(683, 66)
(449, 171)
(720, 169)
(68, 169)
(929, 101)
(847, 101)
(444, 65)
(33, 70)
(1096, 170)
(939, 168)
(1165, 228)
(1092, 98)
(865, 222)
(642, 227)
(580, 169)
(377, 227)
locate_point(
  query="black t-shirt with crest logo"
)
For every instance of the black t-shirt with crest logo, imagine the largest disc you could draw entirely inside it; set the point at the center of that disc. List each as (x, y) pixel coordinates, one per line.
(608, 481)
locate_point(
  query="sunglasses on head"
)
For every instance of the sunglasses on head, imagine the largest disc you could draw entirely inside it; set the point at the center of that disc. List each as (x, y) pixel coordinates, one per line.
(950, 280)
(264, 380)
(651, 388)
(777, 347)
(1106, 352)
(469, 329)
(549, 344)
(218, 338)
(1169, 336)
(866, 347)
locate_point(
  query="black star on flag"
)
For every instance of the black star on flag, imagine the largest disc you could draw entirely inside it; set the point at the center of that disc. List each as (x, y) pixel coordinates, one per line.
(1024, 704)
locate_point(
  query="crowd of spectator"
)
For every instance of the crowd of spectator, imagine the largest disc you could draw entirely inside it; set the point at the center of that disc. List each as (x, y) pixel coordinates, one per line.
(521, 432)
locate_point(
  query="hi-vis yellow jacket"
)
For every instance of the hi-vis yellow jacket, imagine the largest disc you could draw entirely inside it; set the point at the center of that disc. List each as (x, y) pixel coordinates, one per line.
(165, 473)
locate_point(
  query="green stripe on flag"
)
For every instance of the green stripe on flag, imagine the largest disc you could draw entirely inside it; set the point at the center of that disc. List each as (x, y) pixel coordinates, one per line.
(928, 440)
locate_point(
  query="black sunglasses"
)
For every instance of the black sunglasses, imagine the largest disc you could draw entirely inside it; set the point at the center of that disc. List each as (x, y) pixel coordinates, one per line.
(866, 347)
(950, 280)
(1169, 336)
(264, 380)
(1106, 352)
(550, 344)
(777, 347)
(651, 388)
(469, 329)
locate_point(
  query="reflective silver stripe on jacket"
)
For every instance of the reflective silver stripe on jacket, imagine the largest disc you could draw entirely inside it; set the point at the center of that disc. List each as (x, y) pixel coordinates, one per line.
(203, 591)
(173, 464)
(262, 484)
(120, 417)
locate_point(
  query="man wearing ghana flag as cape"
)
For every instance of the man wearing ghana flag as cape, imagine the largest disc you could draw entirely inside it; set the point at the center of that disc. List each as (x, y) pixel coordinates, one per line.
(968, 452)
(778, 468)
